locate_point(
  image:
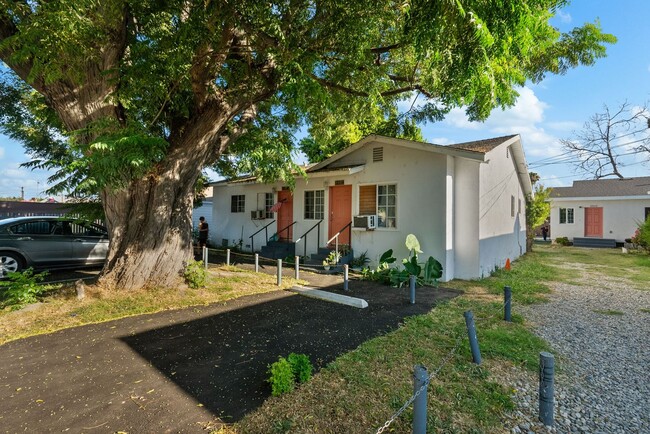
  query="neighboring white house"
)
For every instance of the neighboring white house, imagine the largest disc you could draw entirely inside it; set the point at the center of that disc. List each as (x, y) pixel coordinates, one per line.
(602, 208)
(465, 203)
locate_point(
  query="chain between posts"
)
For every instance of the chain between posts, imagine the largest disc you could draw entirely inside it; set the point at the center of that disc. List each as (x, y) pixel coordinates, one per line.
(424, 386)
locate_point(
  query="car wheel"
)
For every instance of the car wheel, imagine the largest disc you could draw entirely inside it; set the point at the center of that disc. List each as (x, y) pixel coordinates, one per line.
(10, 262)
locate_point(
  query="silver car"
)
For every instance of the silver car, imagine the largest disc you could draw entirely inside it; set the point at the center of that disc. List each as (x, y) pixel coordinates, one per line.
(50, 242)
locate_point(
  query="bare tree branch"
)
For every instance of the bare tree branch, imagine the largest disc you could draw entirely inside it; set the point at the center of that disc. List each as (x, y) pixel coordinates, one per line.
(608, 137)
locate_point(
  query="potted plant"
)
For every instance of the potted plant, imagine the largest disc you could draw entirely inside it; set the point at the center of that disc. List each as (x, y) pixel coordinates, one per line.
(360, 261)
(332, 259)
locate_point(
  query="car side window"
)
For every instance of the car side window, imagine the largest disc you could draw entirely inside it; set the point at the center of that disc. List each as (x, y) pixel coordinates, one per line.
(33, 228)
(87, 230)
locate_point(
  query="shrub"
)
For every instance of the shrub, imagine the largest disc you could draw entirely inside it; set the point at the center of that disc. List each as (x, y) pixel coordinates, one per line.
(195, 274)
(563, 241)
(642, 235)
(285, 373)
(282, 378)
(22, 288)
(301, 367)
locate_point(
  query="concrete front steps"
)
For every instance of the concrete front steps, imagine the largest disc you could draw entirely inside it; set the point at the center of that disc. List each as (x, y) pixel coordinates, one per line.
(594, 242)
(278, 249)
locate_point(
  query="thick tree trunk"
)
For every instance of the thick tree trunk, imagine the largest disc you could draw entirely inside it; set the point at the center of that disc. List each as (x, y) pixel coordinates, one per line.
(149, 223)
(150, 230)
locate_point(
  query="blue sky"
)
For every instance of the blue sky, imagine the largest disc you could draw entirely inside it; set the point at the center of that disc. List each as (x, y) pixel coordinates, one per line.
(545, 112)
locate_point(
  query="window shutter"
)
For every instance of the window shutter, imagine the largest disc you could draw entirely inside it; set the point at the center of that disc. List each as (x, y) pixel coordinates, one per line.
(367, 199)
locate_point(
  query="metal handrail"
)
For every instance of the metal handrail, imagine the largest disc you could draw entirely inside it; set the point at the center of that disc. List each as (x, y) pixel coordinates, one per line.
(336, 237)
(261, 229)
(305, 234)
(285, 229)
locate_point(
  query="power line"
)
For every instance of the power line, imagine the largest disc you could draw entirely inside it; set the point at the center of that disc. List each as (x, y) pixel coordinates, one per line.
(560, 159)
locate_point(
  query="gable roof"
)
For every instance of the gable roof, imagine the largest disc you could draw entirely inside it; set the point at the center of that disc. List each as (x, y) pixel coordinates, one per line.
(412, 144)
(475, 150)
(485, 145)
(605, 188)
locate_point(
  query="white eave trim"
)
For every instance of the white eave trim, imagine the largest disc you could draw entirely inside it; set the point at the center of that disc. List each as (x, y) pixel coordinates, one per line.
(383, 140)
(591, 198)
(337, 172)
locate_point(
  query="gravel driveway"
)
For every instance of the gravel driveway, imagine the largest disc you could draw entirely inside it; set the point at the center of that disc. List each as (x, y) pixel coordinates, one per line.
(600, 333)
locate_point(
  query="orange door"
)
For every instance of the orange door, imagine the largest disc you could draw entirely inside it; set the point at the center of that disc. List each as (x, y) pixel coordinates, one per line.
(340, 212)
(285, 215)
(594, 222)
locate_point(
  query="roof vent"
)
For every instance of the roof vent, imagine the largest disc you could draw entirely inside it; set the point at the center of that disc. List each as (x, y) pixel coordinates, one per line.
(377, 154)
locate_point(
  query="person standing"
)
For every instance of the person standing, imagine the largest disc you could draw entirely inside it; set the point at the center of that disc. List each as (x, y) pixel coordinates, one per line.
(545, 232)
(203, 232)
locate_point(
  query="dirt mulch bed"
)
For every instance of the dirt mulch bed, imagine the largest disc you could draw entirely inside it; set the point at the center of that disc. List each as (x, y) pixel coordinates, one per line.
(182, 371)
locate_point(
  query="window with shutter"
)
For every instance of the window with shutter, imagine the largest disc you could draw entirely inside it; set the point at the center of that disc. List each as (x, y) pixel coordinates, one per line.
(367, 199)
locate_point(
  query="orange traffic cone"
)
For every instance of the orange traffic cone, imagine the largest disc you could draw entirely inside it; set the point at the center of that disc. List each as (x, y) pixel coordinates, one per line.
(508, 264)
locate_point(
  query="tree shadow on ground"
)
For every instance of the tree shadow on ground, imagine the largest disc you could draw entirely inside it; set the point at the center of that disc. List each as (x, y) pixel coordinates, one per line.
(222, 360)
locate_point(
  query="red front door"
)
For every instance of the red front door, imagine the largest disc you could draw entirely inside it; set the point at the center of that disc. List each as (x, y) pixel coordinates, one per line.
(340, 212)
(594, 222)
(285, 215)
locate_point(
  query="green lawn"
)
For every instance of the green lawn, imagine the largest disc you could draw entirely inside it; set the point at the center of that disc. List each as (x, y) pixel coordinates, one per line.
(360, 390)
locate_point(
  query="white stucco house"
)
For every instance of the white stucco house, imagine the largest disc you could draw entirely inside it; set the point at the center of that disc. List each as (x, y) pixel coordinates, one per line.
(464, 202)
(600, 212)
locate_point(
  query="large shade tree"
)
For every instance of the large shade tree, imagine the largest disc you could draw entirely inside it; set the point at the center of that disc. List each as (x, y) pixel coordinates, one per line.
(130, 100)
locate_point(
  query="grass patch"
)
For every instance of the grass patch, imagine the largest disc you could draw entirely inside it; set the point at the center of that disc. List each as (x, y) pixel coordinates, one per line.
(609, 312)
(361, 389)
(62, 309)
(634, 267)
(644, 310)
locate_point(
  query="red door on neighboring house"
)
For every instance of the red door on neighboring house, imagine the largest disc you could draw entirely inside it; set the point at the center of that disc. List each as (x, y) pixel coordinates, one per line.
(594, 222)
(285, 215)
(340, 212)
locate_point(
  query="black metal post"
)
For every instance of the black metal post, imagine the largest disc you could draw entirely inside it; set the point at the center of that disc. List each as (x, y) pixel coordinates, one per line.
(473, 340)
(507, 303)
(546, 387)
(420, 379)
(412, 288)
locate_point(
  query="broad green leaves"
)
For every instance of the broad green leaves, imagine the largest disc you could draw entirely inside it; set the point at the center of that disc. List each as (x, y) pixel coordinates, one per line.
(163, 72)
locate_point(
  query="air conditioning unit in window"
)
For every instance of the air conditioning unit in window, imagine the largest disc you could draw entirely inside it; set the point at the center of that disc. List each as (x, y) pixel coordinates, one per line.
(260, 214)
(367, 222)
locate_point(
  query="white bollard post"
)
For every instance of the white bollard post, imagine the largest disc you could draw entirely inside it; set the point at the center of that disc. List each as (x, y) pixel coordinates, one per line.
(257, 262)
(297, 275)
(227, 256)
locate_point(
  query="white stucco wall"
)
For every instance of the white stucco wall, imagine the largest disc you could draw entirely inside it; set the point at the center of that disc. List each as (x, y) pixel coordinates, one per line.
(205, 210)
(466, 211)
(421, 196)
(502, 236)
(620, 217)
(458, 208)
(230, 226)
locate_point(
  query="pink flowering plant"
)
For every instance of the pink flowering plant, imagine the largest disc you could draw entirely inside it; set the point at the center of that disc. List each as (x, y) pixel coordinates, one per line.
(642, 235)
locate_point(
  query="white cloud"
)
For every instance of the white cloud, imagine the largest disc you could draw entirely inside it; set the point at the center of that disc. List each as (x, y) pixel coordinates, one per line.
(555, 181)
(416, 100)
(565, 17)
(524, 118)
(2, 152)
(440, 141)
(564, 126)
(13, 178)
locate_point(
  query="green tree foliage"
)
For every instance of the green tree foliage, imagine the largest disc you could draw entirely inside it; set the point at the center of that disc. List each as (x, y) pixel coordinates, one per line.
(130, 100)
(538, 209)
